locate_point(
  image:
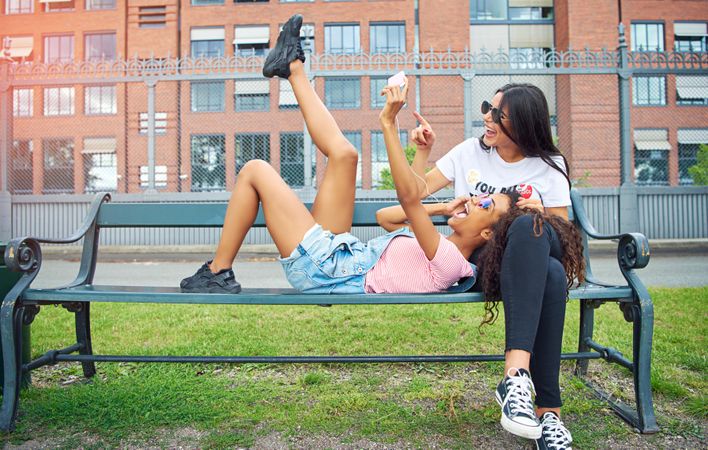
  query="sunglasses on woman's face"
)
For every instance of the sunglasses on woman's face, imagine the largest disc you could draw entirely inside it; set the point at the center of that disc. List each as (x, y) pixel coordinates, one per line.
(497, 114)
(484, 201)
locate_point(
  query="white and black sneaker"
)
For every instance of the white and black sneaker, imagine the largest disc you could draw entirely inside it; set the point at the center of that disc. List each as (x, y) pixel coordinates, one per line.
(514, 396)
(555, 435)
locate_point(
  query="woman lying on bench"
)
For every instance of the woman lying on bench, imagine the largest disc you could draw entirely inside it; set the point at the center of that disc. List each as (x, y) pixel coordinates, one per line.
(318, 253)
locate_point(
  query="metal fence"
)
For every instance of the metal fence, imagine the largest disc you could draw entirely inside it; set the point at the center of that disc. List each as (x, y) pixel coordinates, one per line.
(624, 119)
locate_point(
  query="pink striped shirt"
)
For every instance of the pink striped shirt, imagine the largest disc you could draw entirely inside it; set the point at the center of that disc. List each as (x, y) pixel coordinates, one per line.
(403, 268)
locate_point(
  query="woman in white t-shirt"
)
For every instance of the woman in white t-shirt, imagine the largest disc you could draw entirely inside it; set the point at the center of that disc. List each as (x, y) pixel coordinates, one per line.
(517, 152)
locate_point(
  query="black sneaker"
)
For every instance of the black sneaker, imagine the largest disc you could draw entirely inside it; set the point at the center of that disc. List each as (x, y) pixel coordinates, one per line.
(287, 49)
(514, 396)
(204, 281)
(555, 435)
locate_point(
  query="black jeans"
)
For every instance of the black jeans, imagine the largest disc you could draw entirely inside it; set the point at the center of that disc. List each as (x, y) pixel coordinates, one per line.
(533, 289)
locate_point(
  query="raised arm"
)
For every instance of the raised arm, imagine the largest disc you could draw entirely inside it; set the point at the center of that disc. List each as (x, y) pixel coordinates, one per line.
(423, 136)
(394, 217)
(407, 189)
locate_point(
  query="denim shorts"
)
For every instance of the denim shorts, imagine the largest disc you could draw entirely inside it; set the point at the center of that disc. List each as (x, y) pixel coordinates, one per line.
(326, 263)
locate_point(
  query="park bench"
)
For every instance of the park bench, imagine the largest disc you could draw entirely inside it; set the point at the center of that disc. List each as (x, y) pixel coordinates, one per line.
(22, 303)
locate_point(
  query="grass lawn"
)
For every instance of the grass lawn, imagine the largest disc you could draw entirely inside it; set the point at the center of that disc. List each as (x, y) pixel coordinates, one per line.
(334, 406)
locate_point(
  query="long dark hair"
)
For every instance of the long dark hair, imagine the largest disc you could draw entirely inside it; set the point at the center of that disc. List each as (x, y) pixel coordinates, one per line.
(528, 112)
(573, 261)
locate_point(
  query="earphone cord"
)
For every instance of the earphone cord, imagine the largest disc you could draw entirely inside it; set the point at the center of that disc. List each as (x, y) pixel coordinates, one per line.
(425, 183)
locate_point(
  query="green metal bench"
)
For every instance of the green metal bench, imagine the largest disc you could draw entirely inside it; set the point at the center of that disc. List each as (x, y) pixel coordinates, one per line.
(23, 303)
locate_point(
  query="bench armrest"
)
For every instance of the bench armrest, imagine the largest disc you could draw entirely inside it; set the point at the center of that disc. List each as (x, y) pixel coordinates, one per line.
(633, 248)
(24, 254)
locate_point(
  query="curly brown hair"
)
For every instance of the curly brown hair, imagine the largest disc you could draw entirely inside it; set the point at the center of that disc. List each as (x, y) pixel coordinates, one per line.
(491, 257)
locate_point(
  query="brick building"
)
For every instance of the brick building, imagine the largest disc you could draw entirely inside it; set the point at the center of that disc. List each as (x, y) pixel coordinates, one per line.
(81, 138)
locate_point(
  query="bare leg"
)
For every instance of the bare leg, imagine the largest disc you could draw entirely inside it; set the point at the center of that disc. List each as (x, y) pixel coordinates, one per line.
(286, 217)
(334, 204)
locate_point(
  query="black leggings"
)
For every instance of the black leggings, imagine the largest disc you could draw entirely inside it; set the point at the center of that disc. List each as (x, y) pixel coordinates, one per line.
(533, 289)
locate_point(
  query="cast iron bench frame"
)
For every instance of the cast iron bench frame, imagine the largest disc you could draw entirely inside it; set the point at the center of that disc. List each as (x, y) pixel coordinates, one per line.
(22, 303)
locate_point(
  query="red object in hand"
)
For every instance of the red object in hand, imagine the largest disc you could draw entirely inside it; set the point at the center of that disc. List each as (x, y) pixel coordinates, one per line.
(524, 190)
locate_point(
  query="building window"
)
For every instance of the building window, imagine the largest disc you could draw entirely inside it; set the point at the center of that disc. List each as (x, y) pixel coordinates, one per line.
(152, 17)
(22, 102)
(286, 97)
(355, 138)
(649, 91)
(207, 2)
(292, 158)
(531, 13)
(648, 37)
(692, 90)
(58, 165)
(379, 157)
(690, 141)
(208, 169)
(252, 95)
(690, 36)
(19, 6)
(688, 157)
(207, 96)
(296, 1)
(207, 42)
(160, 123)
(342, 38)
(251, 40)
(58, 49)
(376, 85)
(251, 1)
(251, 146)
(100, 100)
(528, 57)
(651, 167)
(20, 176)
(343, 93)
(59, 6)
(59, 101)
(488, 9)
(100, 4)
(100, 47)
(100, 168)
(388, 38)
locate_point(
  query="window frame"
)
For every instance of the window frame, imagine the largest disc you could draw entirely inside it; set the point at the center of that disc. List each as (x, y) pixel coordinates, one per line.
(101, 110)
(634, 33)
(87, 4)
(19, 165)
(19, 10)
(219, 167)
(635, 91)
(209, 106)
(101, 36)
(329, 28)
(59, 59)
(341, 103)
(22, 107)
(375, 27)
(69, 167)
(59, 109)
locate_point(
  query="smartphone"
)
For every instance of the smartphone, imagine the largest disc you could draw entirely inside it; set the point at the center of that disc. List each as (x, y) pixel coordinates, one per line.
(398, 80)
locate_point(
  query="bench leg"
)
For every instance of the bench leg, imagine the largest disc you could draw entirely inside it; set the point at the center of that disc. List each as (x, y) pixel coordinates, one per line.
(587, 321)
(643, 331)
(10, 330)
(83, 337)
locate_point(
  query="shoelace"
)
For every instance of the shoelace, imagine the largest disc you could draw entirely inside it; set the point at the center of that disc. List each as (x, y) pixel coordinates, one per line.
(519, 389)
(556, 434)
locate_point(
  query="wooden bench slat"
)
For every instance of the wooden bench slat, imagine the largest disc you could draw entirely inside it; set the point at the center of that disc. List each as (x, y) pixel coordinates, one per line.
(264, 296)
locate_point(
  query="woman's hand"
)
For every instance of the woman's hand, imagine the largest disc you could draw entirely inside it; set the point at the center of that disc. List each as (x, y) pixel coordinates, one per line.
(423, 135)
(455, 205)
(530, 204)
(395, 99)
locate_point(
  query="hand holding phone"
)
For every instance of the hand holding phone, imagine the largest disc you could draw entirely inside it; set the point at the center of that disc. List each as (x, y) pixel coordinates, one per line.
(398, 80)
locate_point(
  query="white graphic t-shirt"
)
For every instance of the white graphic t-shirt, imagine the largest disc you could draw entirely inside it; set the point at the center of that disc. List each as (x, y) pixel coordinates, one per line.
(475, 171)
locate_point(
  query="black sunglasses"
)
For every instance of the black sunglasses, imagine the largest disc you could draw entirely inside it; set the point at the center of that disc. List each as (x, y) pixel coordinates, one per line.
(497, 114)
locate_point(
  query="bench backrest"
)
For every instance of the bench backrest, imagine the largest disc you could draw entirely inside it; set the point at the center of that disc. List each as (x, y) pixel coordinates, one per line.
(203, 215)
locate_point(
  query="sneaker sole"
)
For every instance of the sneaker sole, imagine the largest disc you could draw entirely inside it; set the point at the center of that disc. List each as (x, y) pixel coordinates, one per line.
(517, 428)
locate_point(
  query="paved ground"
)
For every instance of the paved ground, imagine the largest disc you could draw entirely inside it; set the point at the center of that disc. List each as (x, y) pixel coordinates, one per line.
(666, 268)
